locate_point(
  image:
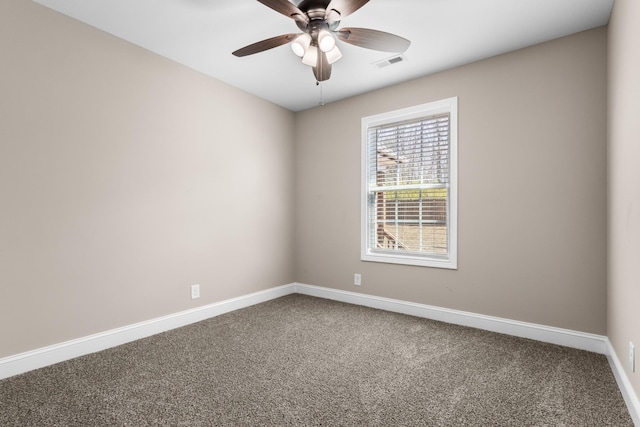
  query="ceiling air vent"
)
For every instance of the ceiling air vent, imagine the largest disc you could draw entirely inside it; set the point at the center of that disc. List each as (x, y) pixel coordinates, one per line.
(390, 61)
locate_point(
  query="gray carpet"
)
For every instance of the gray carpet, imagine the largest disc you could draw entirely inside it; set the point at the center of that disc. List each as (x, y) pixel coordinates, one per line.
(304, 361)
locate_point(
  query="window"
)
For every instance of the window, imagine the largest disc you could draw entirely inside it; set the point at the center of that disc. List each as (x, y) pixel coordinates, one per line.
(409, 186)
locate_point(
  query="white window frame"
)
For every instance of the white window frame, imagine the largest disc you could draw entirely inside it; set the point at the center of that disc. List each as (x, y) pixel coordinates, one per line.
(449, 261)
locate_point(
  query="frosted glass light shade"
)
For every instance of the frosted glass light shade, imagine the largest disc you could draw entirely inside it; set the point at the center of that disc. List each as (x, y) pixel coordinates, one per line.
(300, 45)
(326, 42)
(333, 55)
(310, 58)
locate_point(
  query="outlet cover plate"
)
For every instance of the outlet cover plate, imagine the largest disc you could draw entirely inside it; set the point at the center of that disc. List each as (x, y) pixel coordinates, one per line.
(357, 279)
(195, 291)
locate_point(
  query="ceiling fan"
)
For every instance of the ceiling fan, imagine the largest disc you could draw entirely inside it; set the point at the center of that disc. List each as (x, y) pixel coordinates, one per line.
(316, 45)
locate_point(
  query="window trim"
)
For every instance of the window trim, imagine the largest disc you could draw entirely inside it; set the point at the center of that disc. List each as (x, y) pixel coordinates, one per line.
(450, 261)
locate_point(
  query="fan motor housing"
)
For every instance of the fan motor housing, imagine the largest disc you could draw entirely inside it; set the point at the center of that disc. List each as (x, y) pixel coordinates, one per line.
(316, 11)
(308, 5)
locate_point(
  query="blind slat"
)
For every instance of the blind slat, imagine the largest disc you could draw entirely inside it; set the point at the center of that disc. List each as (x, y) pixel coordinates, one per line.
(408, 179)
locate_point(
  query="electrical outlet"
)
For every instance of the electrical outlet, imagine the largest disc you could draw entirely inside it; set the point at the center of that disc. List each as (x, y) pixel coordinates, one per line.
(632, 357)
(195, 291)
(357, 279)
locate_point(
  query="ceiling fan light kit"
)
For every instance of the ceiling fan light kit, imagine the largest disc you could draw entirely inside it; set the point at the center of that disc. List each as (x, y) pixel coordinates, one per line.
(316, 45)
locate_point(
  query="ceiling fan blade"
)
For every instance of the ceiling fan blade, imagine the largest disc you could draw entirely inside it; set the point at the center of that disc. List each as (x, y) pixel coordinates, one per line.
(338, 9)
(265, 45)
(322, 70)
(286, 8)
(373, 39)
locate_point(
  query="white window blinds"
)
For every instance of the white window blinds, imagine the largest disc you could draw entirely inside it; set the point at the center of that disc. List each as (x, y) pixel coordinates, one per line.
(408, 187)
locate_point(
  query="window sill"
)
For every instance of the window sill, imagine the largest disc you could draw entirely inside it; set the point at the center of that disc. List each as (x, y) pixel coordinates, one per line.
(415, 260)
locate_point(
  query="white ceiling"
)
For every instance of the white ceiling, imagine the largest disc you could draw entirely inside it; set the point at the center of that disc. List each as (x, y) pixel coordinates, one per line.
(201, 34)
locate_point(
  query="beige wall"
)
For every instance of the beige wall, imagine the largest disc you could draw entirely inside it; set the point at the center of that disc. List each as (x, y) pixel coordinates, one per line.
(532, 206)
(112, 162)
(624, 183)
(125, 178)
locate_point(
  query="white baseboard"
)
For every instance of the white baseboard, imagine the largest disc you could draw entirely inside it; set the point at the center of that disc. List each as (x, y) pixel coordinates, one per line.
(39, 358)
(548, 334)
(629, 395)
(45, 356)
(30, 360)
